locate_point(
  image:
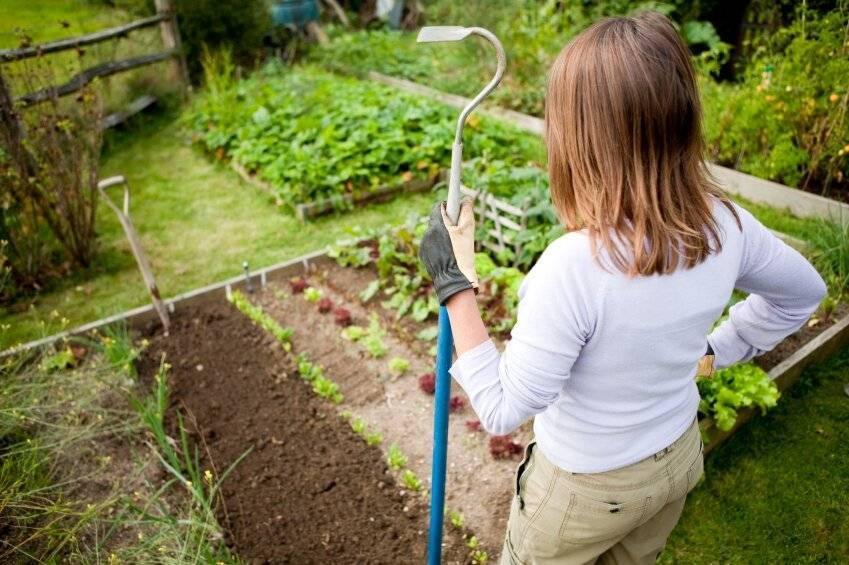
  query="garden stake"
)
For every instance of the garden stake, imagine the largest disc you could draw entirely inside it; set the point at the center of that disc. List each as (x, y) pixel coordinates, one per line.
(445, 340)
(248, 286)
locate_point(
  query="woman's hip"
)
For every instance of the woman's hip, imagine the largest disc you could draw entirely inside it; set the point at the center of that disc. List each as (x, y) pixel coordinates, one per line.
(556, 511)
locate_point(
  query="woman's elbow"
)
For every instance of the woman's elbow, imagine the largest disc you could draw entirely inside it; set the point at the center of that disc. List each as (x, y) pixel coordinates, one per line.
(499, 421)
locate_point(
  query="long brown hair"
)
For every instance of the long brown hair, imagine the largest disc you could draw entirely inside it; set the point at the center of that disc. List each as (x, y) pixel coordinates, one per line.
(625, 146)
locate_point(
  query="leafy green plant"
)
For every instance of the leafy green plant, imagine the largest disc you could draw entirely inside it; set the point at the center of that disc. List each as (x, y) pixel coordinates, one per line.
(371, 338)
(395, 459)
(370, 437)
(398, 365)
(411, 481)
(307, 370)
(326, 388)
(786, 120)
(59, 360)
(312, 294)
(353, 333)
(279, 125)
(261, 318)
(733, 388)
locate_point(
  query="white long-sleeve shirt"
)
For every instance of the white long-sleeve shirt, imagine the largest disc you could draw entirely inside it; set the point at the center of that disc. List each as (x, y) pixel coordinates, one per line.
(607, 363)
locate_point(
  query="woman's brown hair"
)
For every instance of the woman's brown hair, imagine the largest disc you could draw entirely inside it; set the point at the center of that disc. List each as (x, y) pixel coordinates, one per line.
(625, 146)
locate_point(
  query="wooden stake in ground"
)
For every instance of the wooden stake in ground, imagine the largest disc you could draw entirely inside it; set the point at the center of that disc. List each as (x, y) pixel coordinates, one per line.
(135, 244)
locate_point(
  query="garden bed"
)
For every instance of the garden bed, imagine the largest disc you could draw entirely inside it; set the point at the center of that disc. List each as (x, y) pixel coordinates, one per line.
(387, 404)
(392, 404)
(308, 490)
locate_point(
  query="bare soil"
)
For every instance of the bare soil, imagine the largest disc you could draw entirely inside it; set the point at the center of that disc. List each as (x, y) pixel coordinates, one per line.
(479, 487)
(309, 490)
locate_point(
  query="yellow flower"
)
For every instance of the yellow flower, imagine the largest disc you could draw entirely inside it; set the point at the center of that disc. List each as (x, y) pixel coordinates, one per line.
(769, 97)
(846, 148)
(207, 476)
(834, 97)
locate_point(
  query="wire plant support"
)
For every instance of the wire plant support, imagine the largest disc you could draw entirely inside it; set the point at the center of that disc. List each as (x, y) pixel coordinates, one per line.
(445, 340)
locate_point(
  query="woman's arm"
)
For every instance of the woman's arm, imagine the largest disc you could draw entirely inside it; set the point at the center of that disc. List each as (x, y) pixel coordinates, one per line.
(466, 322)
(553, 321)
(785, 290)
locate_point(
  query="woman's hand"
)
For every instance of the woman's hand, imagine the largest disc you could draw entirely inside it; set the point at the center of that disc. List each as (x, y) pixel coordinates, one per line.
(448, 252)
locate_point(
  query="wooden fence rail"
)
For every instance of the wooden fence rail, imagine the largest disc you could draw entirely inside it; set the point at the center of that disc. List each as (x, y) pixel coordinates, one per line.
(165, 18)
(81, 79)
(9, 55)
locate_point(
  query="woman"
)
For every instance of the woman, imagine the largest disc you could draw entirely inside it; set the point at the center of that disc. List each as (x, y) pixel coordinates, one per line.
(616, 315)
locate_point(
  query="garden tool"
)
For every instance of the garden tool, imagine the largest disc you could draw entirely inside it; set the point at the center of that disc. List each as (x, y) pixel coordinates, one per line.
(445, 340)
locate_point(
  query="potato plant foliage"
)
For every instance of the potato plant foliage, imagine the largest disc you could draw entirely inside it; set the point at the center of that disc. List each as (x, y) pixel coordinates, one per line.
(314, 136)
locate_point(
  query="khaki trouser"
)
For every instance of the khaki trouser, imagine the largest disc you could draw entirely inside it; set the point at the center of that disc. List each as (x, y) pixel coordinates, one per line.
(620, 516)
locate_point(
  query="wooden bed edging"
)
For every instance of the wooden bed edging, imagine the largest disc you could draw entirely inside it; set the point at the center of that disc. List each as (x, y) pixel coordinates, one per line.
(786, 374)
(756, 189)
(145, 314)
(309, 210)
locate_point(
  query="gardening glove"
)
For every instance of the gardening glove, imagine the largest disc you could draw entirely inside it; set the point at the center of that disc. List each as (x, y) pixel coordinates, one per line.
(448, 252)
(705, 368)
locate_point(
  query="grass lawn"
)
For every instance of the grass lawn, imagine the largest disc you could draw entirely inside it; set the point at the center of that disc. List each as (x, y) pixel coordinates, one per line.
(777, 491)
(46, 20)
(197, 220)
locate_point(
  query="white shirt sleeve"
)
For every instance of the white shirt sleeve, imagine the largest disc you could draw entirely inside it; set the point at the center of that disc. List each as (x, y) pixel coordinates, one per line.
(555, 319)
(785, 290)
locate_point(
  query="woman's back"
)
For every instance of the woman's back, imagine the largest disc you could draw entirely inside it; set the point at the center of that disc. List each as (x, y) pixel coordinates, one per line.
(631, 388)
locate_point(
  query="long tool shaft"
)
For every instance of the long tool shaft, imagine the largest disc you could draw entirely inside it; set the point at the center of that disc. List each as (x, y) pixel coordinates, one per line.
(445, 341)
(444, 351)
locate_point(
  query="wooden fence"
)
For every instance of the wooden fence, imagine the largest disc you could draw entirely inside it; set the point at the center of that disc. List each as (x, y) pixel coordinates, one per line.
(165, 18)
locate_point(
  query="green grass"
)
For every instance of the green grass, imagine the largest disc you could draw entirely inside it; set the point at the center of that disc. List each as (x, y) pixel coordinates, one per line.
(777, 491)
(42, 20)
(197, 221)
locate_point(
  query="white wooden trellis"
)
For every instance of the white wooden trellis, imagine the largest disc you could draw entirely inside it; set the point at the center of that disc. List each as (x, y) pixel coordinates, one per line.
(509, 221)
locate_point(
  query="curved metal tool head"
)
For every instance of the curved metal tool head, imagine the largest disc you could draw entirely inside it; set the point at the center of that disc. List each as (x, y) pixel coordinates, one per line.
(431, 34)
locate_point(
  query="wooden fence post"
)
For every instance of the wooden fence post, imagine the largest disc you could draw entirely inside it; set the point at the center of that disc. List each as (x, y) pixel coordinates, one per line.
(171, 39)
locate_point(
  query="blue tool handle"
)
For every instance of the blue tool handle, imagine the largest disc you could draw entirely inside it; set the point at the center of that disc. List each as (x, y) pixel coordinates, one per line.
(444, 352)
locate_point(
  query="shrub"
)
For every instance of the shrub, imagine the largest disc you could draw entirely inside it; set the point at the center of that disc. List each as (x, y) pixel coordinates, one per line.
(239, 25)
(49, 156)
(786, 119)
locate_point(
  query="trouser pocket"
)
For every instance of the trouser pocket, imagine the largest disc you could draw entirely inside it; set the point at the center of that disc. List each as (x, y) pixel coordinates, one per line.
(522, 474)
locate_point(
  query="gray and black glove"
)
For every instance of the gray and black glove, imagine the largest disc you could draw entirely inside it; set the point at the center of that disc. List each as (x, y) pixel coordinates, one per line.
(448, 252)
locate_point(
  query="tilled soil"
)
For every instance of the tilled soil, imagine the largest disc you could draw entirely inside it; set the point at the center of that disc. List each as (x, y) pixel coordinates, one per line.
(478, 486)
(309, 490)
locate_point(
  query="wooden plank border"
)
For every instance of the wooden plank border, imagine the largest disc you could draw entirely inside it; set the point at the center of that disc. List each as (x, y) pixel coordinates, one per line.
(798, 202)
(308, 210)
(145, 314)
